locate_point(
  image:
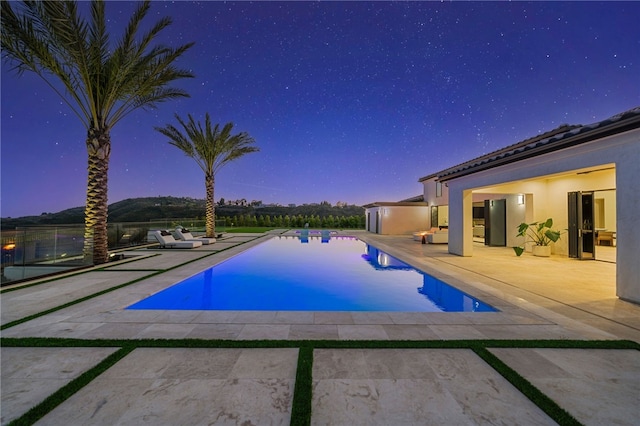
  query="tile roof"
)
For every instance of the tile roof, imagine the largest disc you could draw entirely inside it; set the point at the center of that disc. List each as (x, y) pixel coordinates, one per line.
(416, 199)
(395, 204)
(559, 138)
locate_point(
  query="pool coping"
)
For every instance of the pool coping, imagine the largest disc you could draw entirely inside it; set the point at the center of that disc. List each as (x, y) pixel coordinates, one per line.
(105, 316)
(529, 321)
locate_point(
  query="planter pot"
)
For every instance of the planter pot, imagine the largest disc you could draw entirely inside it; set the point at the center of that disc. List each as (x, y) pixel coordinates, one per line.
(542, 251)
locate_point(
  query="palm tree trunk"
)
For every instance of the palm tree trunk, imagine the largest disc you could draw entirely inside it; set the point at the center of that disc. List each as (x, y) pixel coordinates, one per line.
(210, 214)
(95, 212)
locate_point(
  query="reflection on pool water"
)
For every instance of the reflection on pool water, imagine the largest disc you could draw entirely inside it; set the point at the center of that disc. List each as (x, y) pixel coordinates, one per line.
(313, 274)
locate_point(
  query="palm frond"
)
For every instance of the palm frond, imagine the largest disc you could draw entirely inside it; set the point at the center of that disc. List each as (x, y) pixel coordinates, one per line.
(34, 40)
(210, 146)
(102, 84)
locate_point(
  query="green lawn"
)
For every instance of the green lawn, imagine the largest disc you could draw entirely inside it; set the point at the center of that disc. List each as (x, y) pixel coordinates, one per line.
(246, 229)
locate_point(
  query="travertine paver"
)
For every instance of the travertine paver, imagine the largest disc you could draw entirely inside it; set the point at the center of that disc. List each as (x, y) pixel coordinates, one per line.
(459, 388)
(414, 386)
(172, 386)
(160, 259)
(24, 302)
(597, 386)
(29, 375)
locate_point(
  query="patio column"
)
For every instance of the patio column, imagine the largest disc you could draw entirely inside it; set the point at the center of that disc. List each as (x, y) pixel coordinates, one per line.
(627, 227)
(460, 221)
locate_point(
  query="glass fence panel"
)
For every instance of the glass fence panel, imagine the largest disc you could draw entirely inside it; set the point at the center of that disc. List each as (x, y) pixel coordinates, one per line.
(33, 251)
(29, 252)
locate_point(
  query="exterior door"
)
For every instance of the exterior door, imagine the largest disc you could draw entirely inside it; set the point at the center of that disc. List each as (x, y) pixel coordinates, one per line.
(495, 223)
(581, 233)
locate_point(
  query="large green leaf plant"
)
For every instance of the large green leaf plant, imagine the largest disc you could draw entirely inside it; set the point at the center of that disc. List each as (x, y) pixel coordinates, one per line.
(538, 233)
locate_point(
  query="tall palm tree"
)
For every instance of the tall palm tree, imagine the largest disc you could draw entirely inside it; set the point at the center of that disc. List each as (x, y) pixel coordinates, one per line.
(211, 148)
(101, 81)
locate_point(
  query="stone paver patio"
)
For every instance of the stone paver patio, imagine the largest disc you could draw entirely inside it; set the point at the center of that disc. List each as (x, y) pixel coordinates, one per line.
(350, 386)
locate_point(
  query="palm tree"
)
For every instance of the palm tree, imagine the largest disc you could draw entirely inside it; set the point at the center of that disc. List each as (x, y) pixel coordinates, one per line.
(211, 148)
(101, 82)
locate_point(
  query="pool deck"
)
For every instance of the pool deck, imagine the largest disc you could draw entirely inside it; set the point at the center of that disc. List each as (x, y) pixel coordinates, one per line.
(553, 298)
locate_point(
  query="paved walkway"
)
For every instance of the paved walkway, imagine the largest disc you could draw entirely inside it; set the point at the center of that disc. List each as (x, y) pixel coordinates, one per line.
(554, 298)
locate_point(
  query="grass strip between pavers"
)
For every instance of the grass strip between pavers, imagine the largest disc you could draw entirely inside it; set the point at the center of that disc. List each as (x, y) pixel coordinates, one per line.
(318, 344)
(546, 404)
(63, 276)
(75, 302)
(65, 392)
(107, 267)
(102, 292)
(302, 396)
(302, 393)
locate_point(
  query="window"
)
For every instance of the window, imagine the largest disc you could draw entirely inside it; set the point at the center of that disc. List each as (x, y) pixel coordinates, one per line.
(438, 189)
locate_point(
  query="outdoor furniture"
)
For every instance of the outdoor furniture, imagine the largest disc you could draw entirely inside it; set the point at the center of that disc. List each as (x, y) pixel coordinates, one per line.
(183, 234)
(439, 237)
(417, 236)
(166, 240)
(605, 236)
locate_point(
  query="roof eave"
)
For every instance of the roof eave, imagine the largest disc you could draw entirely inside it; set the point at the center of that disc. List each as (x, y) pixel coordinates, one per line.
(589, 136)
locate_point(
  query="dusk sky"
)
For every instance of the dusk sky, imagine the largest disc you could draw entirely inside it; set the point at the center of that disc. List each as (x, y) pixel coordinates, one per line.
(347, 101)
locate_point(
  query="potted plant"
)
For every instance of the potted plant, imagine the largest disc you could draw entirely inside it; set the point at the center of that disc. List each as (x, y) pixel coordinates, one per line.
(539, 233)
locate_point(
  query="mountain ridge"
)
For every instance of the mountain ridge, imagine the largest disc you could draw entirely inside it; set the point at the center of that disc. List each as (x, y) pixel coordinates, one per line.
(146, 209)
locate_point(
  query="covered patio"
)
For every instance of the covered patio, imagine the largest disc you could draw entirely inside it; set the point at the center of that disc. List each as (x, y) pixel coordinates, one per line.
(584, 291)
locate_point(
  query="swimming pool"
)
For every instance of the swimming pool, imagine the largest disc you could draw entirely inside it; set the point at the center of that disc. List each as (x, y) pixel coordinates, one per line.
(313, 274)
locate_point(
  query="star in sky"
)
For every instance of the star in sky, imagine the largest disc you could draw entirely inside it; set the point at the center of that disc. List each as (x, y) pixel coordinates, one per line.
(348, 101)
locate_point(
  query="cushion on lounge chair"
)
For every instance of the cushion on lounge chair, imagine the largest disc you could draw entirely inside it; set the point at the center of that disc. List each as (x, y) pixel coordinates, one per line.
(166, 240)
(183, 234)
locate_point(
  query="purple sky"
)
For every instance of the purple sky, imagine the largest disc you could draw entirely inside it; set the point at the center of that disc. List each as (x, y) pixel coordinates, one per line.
(348, 101)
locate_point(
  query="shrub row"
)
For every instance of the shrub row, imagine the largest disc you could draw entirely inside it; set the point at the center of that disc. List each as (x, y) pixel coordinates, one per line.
(314, 221)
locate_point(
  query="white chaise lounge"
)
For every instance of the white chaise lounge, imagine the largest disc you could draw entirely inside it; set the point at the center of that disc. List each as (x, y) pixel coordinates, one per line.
(439, 237)
(183, 234)
(166, 240)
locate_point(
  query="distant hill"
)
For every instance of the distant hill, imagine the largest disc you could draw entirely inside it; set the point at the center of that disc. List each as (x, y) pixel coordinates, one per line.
(154, 208)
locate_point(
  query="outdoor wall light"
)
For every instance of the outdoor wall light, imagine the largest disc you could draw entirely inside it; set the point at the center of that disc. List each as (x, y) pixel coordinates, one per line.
(520, 199)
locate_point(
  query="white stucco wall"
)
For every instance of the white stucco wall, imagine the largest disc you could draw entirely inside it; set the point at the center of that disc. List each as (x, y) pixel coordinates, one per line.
(371, 218)
(400, 220)
(516, 214)
(549, 196)
(608, 198)
(429, 193)
(628, 226)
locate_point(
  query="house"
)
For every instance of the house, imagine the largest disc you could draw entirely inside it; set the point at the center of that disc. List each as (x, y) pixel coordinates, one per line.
(586, 177)
(402, 217)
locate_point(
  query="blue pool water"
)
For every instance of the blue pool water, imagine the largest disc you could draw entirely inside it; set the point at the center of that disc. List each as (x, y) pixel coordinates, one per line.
(313, 274)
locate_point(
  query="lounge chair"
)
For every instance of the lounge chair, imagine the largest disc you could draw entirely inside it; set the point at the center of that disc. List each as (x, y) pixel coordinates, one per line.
(183, 234)
(166, 240)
